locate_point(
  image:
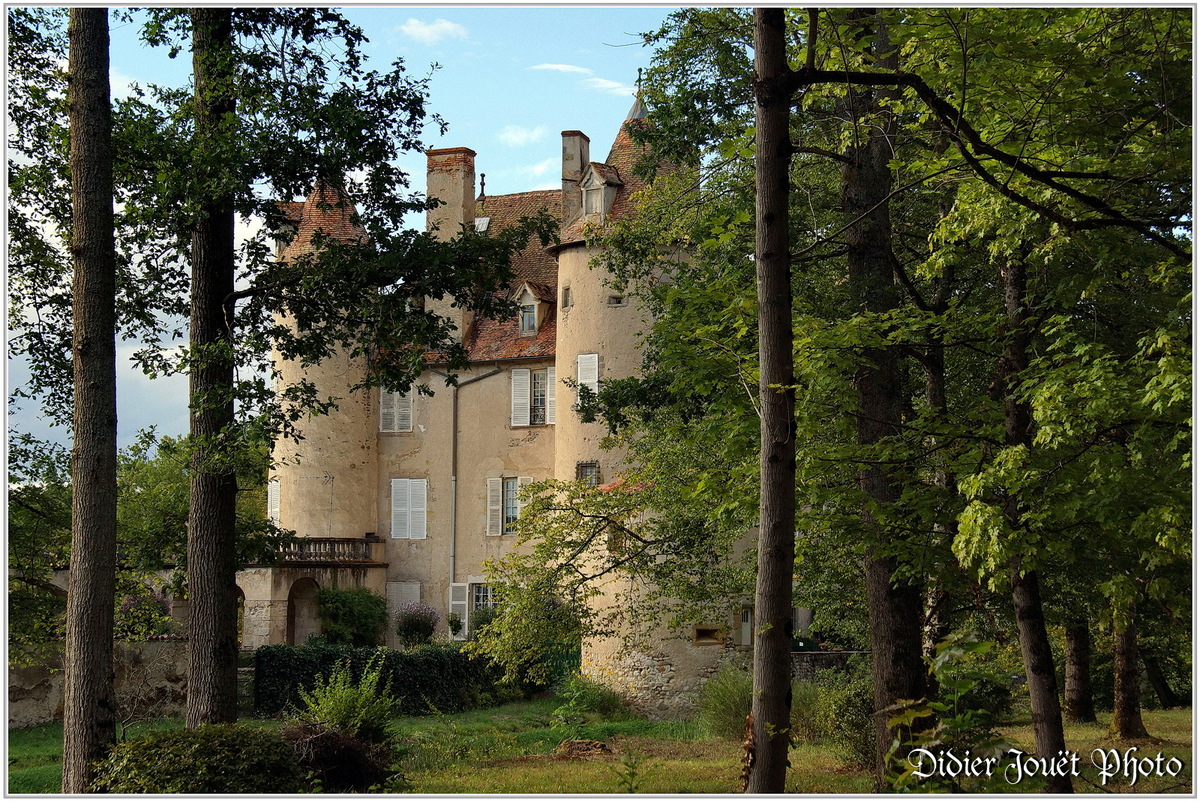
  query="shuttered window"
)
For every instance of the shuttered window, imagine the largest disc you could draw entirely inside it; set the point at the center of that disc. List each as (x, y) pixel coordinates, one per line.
(587, 371)
(503, 503)
(409, 508)
(532, 396)
(460, 602)
(273, 501)
(520, 397)
(395, 412)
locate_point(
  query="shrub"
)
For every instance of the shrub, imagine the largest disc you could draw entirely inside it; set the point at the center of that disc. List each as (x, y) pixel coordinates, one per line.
(361, 707)
(141, 613)
(429, 678)
(724, 702)
(847, 712)
(357, 617)
(415, 623)
(210, 759)
(592, 696)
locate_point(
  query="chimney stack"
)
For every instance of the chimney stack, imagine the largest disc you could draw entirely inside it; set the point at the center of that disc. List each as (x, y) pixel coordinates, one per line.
(450, 177)
(575, 158)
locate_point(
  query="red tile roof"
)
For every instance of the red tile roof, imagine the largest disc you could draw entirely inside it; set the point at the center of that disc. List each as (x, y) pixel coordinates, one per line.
(326, 211)
(532, 263)
(501, 339)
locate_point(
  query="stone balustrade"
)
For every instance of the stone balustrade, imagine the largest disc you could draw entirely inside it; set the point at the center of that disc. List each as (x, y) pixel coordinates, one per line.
(329, 550)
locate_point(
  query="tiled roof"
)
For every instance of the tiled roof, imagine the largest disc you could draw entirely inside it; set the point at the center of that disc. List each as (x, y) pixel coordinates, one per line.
(501, 339)
(327, 211)
(533, 263)
(618, 170)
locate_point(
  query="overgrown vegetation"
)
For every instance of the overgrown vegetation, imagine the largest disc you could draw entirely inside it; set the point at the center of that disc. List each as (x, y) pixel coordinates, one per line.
(415, 623)
(210, 759)
(355, 617)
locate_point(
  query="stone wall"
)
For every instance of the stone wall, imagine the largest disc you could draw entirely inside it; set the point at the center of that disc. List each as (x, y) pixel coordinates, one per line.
(805, 665)
(151, 678)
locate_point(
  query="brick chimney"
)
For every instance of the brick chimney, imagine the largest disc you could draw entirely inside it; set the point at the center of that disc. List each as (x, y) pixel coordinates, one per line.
(450, 177)
(575, 158)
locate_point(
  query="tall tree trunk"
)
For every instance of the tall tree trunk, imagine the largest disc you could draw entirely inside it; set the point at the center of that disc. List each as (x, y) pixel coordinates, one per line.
(1127, 706)
(895, 608)
(89, 717)
(1158, 680)
(1026, 589)
(771, 706)
(212, 639)
(1077, 693)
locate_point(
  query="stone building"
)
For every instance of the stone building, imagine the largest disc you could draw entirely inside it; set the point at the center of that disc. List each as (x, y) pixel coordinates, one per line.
(410, 494)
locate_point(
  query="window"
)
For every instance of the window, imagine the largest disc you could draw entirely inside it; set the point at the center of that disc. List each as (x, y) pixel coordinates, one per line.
(532, 396)
(708, 636)
(587, 371)
(504, 503)
(459, 602)
(593, 200)
(395, 411)
(566, 297)
(482, 597)
(617, 300)
(588, 472)
(528, 319)
(511, 509)
(273, 501)
(409, 508)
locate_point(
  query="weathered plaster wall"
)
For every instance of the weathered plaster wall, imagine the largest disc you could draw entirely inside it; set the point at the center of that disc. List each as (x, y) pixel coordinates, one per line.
(150, 676)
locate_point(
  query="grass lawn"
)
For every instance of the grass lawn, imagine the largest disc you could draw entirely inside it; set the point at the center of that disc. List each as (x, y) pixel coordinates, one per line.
(510, 749)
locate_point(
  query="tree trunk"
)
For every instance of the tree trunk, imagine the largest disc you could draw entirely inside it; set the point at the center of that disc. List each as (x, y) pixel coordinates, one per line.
(1026, 590)
(771, 706)
(1158, 680)
(89, 717)
(1127, 707)
(895, 609)
(212, 638)
(1077, 705)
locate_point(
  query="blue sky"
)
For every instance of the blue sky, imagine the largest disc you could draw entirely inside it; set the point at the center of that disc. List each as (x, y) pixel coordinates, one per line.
(510, 81)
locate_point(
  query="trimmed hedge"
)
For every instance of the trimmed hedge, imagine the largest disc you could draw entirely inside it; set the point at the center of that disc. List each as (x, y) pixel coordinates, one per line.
(210, 759)
(435, 678)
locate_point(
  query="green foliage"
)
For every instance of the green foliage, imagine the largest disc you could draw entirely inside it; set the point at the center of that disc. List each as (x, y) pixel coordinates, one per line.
(423, 680)
(141, 612)
(415, 623)
(961, 721)
(583, 697)
(360, 707)
(847, 711)
(356, 617)
(210, 759)
(724, 702)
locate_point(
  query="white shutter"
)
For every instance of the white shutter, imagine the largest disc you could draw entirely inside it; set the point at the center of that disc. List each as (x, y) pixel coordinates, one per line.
(399, 593)
(520, 396)
(588, 371)
(495, 506)
(550, 394)
(521, 482)
(460, 594)
(395, 412)
(417, 489)
(387, 411)
(404, 404)
(400, 508)
(273, 501)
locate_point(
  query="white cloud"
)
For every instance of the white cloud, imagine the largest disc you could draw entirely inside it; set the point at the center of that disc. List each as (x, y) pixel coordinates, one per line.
(121, 84)
(562, 68)
(610, 87)
(541, 168)
(517, 135)
(431, 33)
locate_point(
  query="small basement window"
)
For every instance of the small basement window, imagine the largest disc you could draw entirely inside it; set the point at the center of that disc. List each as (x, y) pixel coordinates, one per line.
(617, 300)
(708, 636)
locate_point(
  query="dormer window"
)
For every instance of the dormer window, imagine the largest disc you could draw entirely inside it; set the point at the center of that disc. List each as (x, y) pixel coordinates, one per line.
(529, 318)
(593, 200)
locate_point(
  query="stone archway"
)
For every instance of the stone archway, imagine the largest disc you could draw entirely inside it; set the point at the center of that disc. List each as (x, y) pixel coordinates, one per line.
(302, 620)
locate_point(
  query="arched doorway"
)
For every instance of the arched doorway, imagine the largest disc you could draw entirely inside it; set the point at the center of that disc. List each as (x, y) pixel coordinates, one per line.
(302, 618)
